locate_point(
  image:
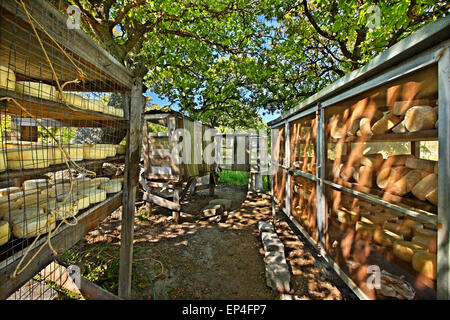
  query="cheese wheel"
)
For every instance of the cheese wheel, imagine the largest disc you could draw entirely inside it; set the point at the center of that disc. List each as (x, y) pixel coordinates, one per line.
(433, 196)
(66, 210)
(400, 128)
(385, 237)
(364, 176)
(425, 263)
(113, 186)
(28, 157)
(5, 233)
(31, 227)
(37, 89)
(420, 164)
(347, 173)
(405, 250)
(101, 180)
(99, 151)
(399, 229)
(425, 186)
(420, 118)
(429, 243)
(338, 130)
(95, 105)
(9, 190)
(388, 176)
(35, 184)
(400, 107)
(405, 184)
(3, 162)
(95, 195)
(7, 207)
(385, 124)
(396, 160)
(27, 213)
(74, 151)
(372, 160)
(421, 231)
(376, 220)
(7, 78)
(75, 100)
(121, 149)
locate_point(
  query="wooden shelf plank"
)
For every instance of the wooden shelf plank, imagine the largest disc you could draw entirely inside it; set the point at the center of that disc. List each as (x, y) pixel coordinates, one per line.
(46, 109)
(425, 135)
(11, 174)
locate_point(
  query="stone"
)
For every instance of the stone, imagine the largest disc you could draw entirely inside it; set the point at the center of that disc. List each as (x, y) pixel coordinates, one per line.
(275, 257)
(278, 277)
(225, 203)
(212, 210)
(271, 242)
(265, 226)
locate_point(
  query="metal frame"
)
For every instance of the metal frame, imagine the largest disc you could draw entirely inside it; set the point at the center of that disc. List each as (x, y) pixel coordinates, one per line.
(428, 46)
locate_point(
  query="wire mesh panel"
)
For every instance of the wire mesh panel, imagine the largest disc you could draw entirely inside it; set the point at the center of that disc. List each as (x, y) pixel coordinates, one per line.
(63, 130)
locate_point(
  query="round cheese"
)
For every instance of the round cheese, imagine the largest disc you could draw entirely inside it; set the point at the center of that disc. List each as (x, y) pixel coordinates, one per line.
(75, 100)
(37, 89)
(9, 190)
(95, 195)
(114, 186)
(34, 226)
(28, 157)
(425, 263)
(5, 234)
(3, 163)
(421, 231)
(385, 237)
(429, 243)
(95, 105)
(7, 78)
(75, 152)
(35, 184)
(66, 210)
(99, 151)
(405, 250)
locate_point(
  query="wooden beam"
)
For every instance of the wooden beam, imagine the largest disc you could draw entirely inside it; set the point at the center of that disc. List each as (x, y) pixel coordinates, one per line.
(172, 205)
(131, 180)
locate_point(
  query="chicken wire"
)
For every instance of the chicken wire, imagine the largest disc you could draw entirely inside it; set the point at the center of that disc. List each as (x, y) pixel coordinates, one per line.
(63, 130)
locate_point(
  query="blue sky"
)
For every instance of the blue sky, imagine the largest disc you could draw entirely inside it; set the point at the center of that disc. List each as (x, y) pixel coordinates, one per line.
(162, 101)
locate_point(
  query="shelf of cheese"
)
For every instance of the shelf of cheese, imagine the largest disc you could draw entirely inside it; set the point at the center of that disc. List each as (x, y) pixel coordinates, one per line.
(410, 240)
(26, 155)
(34, 208)
(407, 121)
(47, 92)
(398, 175)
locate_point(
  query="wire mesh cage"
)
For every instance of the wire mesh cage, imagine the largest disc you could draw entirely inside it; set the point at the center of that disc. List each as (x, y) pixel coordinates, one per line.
(63, 105)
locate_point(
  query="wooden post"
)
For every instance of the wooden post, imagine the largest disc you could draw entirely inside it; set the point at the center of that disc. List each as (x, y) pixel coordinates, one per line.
(176, 199)
(212, 184)
(131, 181)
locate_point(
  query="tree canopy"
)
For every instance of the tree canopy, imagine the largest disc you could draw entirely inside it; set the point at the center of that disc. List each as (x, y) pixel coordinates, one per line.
(224, 61)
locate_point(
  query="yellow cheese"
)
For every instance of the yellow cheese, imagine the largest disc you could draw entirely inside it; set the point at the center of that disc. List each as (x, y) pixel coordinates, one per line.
(385, 237)
(7, 78)
(114, 186)
(421, 231)
(3, 163)
(406, 183)
(400, 107)
(75, 100)
(95, 105)
(35, 184)
(66, 210)
(9, 190)
(433, 196)
(420, 164)
(121, 149)
(28, 157)
(5, 234)
(37, 89)
(7, 207)
(95, 195)
(33, 226)
(98, 151)
(420, 118)
(400, 229)
(405, 250)
(425, 186)
(427, 242)
(385, 124)
(425, 263)
(75, 152)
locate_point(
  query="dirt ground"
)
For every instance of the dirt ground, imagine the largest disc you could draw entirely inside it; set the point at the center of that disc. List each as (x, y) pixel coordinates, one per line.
(197, 259)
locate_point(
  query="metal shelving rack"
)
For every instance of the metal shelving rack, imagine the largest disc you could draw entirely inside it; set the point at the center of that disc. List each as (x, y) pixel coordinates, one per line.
(429, 47)
(103, 74)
